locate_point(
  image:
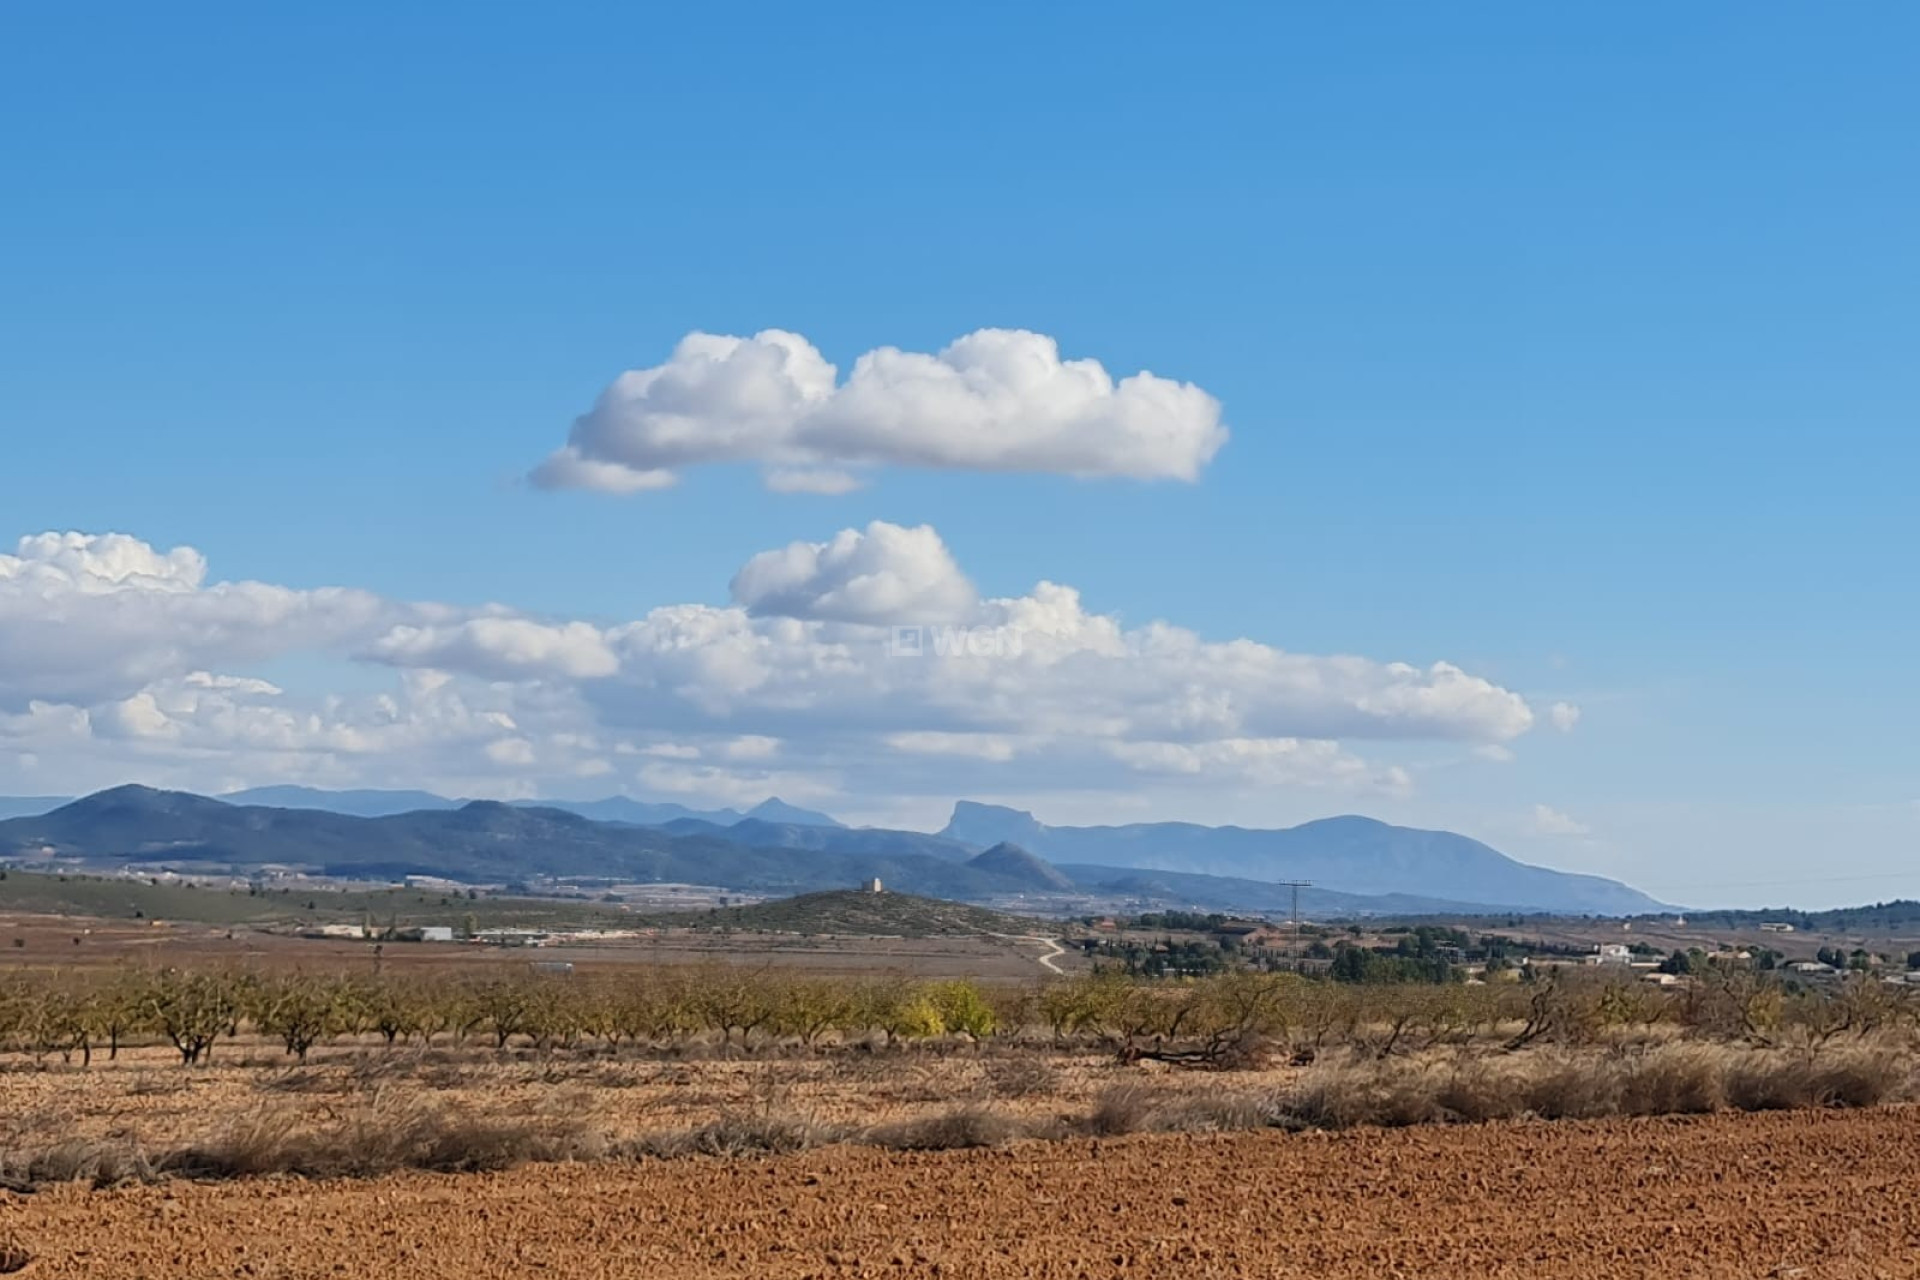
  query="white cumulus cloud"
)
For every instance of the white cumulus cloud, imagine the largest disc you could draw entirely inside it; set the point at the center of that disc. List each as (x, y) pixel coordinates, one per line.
(882, 575)
(994, 400)
(502, 648)
(86, 617)
(123, 660)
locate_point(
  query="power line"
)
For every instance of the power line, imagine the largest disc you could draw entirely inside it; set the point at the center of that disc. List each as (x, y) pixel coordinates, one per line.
(1294, 918)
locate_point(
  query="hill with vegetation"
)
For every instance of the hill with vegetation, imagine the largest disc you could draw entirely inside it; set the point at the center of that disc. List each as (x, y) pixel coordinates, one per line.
(1902, 915)
(1012, 862)
(870, 914)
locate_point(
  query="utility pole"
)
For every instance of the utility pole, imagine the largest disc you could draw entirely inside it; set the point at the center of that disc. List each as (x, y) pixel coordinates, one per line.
(1296, 886)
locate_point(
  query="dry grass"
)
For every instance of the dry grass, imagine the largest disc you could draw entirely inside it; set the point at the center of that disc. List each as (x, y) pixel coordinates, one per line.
(1024, 1076)
(1223, 1111)
(1392, 1093)
(1679, 1079)
(368, 1114)
(368, 1072)
(156, 1084)
(960, 1128)
(95, 1162)
(383, 1137)
(1122, 1109)
(1672, 1079)
(1136, 1108)
(311, 1080)
(1861, 1077)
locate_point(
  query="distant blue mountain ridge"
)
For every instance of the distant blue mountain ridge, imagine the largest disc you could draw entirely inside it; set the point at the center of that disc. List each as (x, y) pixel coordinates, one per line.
(1348, 854)
(382, 804)
(1356, 864)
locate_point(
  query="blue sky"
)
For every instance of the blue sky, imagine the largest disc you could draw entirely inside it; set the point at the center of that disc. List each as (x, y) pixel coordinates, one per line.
(1571, 348)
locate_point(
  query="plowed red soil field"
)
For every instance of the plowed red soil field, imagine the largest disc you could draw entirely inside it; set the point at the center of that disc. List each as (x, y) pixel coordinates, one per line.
(1807, 1194)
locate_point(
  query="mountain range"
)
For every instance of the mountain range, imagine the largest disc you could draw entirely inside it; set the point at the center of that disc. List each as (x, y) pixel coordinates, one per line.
(481, 842)
(1346, 854)
(382, 804)
(1358, 865)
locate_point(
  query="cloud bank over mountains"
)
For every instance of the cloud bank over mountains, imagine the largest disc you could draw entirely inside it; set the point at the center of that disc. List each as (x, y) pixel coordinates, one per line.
(994, 400)
(128, 660)
(85, 618)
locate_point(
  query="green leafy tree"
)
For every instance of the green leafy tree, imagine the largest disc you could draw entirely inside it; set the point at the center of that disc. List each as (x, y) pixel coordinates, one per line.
(962, 1009)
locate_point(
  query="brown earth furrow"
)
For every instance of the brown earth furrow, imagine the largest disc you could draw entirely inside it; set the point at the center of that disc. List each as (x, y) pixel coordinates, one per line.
(1808, 1194)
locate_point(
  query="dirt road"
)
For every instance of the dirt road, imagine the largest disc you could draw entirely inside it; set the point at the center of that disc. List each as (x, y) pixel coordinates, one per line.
(1810, 1195)
(1053, 949)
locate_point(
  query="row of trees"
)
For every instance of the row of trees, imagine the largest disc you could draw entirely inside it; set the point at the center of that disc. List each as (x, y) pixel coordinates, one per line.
(75, 1015)
(1209, 1019)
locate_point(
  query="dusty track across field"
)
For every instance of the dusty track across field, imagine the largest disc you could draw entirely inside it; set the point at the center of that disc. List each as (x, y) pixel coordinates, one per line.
(1807, 1194)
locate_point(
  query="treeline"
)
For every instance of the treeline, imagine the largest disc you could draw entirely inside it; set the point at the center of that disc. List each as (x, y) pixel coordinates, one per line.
(77, 1014)
(1429, 953)
(1166, 958)
(1206, 1020)
(1180, 921)
(1902, 915)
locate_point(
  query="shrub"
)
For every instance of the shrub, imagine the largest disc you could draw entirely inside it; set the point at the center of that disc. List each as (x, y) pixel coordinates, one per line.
(1339, 1096)
(1135, 1108)
(963, 1127)
(1674, 1080)
(1585, 1088)
(1122, 1109)
(97, 1163)
(1477, 1091)
(1215, 1111)
(1862, 1077)
(382, 1139)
